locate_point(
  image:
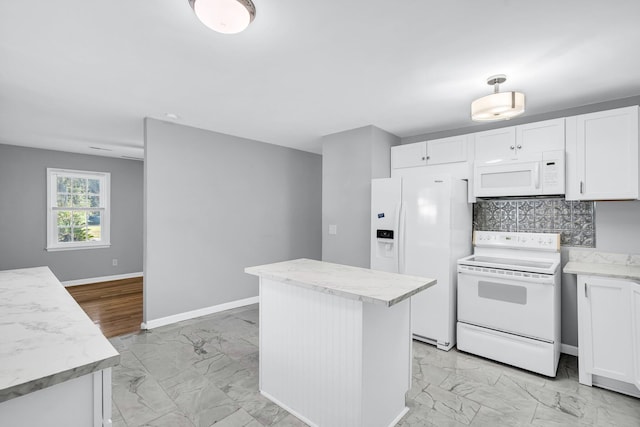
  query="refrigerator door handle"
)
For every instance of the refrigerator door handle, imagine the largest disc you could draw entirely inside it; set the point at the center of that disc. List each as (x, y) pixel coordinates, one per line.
(397, 242)
(401, 239)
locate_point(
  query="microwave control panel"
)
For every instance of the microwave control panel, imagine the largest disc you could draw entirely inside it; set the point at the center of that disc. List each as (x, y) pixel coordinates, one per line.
(553, 172)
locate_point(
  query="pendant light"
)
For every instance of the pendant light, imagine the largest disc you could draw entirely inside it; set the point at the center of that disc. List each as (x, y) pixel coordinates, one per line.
(498, 105)
(224, 16)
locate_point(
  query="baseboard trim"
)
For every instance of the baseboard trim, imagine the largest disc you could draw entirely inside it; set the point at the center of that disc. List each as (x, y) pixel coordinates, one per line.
(571, 350)
(101, 279)
(290, 410)
(155, 323)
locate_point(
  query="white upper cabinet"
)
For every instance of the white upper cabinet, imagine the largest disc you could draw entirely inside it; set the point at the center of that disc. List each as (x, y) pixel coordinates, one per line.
(438, 151)
(541, 136)
(519, 142)
(447, 150)
(492, 145)
(409, 155)
(602, 155)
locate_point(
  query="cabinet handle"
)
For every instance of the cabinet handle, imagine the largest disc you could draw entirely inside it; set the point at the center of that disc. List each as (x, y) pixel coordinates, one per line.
(581, 187)
(519, 147)
(586, 294)
(512, 147)
(424, 158)
(428, 157)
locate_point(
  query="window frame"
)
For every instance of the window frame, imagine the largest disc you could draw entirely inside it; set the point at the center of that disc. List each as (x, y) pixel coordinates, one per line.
(52, 217)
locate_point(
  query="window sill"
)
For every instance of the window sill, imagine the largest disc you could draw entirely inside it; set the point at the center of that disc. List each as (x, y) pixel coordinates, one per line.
(76, 248)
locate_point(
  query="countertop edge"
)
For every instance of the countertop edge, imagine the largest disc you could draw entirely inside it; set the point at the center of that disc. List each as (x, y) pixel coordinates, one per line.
(606, 270)
(71, 345)
(344, 294)
(28, 387)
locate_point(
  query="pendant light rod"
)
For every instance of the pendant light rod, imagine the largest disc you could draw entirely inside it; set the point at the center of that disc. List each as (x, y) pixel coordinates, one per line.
(496, 81)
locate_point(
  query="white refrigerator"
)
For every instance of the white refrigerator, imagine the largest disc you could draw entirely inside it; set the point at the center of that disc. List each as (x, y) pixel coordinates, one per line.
(421, 225)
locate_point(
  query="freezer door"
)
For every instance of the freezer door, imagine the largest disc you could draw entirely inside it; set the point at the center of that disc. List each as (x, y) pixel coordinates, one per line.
(427, 252)
(385, 230)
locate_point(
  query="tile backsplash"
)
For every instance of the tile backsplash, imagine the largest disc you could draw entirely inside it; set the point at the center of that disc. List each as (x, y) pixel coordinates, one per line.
(574, 220)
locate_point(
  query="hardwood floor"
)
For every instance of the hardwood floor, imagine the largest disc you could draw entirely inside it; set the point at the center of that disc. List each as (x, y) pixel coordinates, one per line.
(115, 306)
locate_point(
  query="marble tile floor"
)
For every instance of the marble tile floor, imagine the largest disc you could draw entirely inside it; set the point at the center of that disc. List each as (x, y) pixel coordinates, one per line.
(204, 372)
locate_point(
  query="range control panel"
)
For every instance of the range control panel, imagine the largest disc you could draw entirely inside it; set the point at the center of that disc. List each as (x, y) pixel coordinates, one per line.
(517, 240)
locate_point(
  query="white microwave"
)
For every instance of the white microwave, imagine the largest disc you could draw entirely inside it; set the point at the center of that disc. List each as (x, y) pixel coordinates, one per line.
(539, 173)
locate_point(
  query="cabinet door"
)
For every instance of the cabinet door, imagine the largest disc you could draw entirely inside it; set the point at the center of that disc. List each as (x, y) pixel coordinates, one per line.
(602, 155)
(635, 315)
(607, 346)
(409, 155)
(533, 138)
(447, 150)
(494, 145)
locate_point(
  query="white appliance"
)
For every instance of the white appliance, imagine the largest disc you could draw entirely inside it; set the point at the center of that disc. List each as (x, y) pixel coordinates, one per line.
(421, 224)
(535, 174)
(509, 299)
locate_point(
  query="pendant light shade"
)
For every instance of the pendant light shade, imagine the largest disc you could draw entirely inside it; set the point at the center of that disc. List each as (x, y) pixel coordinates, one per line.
(498, 105)
(224, 16)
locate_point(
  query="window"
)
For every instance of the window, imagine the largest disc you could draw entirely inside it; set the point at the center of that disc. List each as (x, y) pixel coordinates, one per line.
(77, 209)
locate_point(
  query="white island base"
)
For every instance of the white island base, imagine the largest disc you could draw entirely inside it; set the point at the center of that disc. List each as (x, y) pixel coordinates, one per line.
(335, 359)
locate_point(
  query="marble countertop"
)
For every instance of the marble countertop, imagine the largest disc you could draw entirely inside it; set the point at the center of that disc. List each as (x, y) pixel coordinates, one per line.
(606, 264)
(45, 337)
(363, 284)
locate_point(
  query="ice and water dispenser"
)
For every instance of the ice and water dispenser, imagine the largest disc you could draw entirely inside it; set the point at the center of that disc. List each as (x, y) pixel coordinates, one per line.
(385, 210)
(385, 243)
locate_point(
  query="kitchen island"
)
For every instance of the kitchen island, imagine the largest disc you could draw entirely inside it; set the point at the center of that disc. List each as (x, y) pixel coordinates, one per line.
(335, 341)
(55, 364)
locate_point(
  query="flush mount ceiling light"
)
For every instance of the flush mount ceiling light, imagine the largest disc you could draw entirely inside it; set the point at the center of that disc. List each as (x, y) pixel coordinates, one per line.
(224, 16)
(498, 105)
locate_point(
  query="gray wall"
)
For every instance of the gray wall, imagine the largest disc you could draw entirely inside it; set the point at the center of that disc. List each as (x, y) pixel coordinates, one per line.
(617, 223)
(216, 204)
(618, 226)
(350, 160)
(23, 214)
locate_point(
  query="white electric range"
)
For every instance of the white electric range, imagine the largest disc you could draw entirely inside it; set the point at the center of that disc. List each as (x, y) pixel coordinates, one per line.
(509, 299)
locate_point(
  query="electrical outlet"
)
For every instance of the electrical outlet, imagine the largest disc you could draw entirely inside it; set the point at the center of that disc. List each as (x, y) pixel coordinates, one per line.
(114, 262)
(333, 229)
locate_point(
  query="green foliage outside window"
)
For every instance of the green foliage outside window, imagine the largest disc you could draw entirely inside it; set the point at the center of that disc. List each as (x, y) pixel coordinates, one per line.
(79, 224)
(72, 227)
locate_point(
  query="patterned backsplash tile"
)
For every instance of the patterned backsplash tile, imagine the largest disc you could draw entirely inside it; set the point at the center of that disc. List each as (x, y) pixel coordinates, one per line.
(574, 220)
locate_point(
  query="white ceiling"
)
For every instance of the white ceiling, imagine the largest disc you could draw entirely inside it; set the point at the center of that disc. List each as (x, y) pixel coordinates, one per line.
(79, 73)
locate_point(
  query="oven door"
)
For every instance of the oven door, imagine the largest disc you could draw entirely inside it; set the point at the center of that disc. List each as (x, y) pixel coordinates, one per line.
(509, 301)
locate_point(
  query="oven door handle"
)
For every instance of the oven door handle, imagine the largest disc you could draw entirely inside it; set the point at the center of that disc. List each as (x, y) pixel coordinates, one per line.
(547, 280)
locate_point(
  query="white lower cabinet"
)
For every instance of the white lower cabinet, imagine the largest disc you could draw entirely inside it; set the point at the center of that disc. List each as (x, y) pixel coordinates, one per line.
(635, 326)
(84, 401)
(608, 332)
